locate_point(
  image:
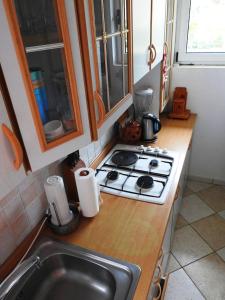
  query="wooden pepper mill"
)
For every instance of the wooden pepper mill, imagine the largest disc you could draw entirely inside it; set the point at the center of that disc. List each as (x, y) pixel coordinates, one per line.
(180, 104)
(69, 166)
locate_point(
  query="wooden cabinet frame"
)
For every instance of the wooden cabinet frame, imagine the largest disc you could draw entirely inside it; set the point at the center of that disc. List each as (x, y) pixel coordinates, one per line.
(170, 52)
(18, 43)
(97, 97)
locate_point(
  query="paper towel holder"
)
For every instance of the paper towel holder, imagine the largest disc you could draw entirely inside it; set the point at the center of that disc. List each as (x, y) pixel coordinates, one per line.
(67, 228)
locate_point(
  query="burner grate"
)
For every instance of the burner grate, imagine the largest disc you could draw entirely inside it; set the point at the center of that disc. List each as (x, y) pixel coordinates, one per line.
(127, 176)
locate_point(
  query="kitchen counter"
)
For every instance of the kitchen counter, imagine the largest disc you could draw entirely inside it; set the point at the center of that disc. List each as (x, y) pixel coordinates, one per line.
(127, 229)
(133, 230)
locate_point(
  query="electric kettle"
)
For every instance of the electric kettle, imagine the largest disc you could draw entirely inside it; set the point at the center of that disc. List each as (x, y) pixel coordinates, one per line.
(150, 126)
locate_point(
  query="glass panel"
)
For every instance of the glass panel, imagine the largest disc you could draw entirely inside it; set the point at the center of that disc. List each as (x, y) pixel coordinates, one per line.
(113, 18)
(206, 26)
(48, 75)
(102, 73)
(98, 17)
(170, 8)
(115, 69)
(38, 22)
(125, 61)
(169, 36)
(125, 14)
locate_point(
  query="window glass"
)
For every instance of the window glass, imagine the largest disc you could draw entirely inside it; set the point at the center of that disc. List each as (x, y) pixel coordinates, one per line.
(206, 26)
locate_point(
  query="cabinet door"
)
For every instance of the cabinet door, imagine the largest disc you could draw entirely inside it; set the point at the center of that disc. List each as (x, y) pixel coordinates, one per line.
(157, 30)
(41, 53)
(109, 23)
(141, 38)
(180, 191)
(167, 242)
(166, 70)
(155, 290)
(10, 177)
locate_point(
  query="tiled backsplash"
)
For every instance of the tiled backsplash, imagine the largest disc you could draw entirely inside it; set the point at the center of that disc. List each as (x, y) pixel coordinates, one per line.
(23, 208)
(89, 152)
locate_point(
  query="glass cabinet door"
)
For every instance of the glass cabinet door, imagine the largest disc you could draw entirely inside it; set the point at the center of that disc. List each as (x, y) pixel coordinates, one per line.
(42, 30)
(112, 47)
(167, 60)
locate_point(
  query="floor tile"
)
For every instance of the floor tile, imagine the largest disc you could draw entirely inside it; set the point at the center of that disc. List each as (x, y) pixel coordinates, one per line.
(173, 264)
(212, 230)
(181, 222)
(197, 186)
(194, 209)
(187, 192)
(222, 214)
(208, 275)
(214, 196)
(180, 287)
(188, 246)
(221, 253)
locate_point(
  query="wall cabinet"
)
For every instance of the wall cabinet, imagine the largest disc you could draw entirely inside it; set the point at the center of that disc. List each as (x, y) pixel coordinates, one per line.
(11, 153)
(42, 64)
(166, 68)
(157, 31)
(148, 35)
(108, 25)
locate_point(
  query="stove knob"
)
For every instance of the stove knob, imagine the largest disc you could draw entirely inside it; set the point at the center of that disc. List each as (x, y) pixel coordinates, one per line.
(157, 149)
(141, 147)
(149, 148)
(165, 151)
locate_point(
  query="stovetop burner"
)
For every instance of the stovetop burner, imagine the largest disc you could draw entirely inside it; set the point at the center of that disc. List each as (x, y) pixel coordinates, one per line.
(154, 163)
(124, 158)
(138, 172)
(145, 182)
(112, 175)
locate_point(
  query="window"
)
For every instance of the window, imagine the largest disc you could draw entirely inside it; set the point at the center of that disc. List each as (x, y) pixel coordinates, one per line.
(201, 37)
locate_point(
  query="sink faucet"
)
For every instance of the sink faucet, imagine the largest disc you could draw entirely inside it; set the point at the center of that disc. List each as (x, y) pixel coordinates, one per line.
(10, 281)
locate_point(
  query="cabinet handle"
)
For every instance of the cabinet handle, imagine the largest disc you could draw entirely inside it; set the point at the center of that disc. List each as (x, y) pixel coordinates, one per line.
(15, 144)
(159, 267)
(158, 285)
(153, 53)
(177, 193)
(166, 48)
(101, 108)
(161, 285)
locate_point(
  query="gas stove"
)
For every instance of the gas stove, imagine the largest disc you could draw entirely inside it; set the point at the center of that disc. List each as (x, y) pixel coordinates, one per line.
(138, 172)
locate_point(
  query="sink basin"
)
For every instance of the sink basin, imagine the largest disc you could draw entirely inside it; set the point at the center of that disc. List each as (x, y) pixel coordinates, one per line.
(68, 272)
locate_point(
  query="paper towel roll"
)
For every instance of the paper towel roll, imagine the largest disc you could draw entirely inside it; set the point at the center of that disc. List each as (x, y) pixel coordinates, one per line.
(56, 195)
(87, 188)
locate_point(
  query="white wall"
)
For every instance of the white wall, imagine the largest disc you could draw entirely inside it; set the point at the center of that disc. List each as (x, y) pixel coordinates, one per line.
(152, 80)
(206, 97)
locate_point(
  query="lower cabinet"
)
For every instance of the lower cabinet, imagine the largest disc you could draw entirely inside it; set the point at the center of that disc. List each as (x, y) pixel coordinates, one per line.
(159, 282)
(160, 278)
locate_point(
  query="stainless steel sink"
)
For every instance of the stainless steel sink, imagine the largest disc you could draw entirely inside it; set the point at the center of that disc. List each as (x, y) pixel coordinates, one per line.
(68, 272)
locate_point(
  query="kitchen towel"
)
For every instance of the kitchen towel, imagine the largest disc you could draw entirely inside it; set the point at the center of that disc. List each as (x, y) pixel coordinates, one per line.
(56, 195)
(88, 191)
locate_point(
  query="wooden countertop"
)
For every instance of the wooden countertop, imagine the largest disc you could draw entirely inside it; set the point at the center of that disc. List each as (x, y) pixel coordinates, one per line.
(133, 230)
(127, 229)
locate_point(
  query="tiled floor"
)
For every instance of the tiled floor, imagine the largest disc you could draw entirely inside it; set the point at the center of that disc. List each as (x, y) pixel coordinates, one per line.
(197, 261)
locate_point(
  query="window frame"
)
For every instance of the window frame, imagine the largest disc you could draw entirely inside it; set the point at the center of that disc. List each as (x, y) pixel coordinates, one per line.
(189, 58)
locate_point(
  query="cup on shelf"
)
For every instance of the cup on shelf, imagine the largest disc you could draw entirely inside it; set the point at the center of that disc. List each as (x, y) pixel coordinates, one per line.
(53, 129)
